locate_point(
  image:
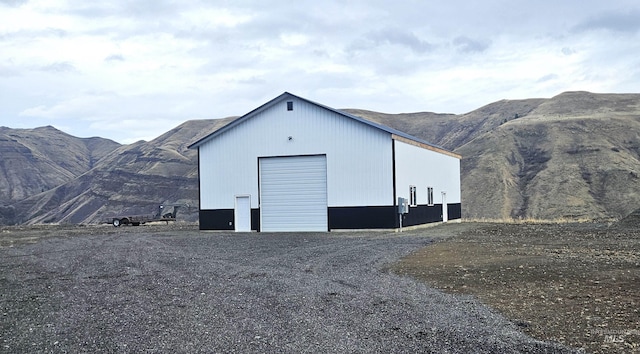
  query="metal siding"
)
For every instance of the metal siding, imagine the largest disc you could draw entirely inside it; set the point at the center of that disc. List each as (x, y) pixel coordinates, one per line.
(293, 193)
(425, 168)
(359, 157)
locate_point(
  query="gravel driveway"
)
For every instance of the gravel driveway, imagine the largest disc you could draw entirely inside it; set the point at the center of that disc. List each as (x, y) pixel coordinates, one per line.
(167, 289)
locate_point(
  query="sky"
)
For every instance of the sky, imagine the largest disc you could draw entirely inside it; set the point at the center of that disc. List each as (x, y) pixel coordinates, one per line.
(131, 70)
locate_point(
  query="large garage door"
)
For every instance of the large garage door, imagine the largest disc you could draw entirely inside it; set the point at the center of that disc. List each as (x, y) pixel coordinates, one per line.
(293, 193)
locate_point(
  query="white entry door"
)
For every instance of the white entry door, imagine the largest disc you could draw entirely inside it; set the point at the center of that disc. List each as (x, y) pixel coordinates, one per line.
(242, 213)
(293, 193)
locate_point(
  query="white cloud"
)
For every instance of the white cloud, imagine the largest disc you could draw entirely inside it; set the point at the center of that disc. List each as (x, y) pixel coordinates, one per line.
(468, 45)
(624, 21)
(88, 65)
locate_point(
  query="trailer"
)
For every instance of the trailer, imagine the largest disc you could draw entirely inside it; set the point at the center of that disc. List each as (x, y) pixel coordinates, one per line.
(160, 215)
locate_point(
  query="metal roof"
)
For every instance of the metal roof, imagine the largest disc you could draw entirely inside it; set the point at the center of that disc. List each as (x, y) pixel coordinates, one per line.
(287, 95)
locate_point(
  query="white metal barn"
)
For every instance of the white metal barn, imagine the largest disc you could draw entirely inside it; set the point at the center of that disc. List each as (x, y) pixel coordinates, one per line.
(295, 165)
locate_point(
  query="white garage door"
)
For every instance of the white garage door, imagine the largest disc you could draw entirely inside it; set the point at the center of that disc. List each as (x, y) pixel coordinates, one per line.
(293, 193)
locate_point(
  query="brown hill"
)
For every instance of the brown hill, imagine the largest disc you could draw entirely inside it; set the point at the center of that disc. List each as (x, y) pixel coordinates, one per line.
(36, 160)
(132, 179)
(576, 155)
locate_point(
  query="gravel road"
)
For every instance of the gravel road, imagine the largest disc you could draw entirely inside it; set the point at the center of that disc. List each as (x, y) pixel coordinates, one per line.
(163, 289)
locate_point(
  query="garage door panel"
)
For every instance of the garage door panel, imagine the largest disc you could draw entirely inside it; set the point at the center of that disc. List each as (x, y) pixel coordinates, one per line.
(293, 193)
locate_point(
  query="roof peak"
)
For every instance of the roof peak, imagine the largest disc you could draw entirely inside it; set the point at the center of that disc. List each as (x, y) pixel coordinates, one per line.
(285, 94)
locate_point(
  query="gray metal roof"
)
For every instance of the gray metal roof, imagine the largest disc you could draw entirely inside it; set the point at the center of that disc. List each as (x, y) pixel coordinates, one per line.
(286, 96)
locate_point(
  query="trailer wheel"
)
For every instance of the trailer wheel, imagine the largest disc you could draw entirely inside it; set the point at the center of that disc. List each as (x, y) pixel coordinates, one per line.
(116, 222)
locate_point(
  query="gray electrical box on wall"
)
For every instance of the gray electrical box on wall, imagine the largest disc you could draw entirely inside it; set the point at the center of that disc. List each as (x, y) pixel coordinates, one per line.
(403, 205)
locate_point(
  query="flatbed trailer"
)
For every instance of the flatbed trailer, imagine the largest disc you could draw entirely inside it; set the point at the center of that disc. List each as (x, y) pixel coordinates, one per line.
(136, 220)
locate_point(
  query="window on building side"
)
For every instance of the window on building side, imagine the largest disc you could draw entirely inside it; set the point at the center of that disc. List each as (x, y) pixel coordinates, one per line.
(289, 105)
(430, 196)
(413, 200)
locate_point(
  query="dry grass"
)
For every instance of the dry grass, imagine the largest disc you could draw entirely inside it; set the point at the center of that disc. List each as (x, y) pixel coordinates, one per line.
(574, 283)
(521, 221)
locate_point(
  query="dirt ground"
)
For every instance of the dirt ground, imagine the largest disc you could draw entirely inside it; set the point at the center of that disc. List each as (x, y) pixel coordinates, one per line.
(577, 284)
(174, 289)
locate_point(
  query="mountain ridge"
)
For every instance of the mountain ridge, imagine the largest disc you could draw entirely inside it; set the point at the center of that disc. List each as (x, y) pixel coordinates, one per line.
(575, 156)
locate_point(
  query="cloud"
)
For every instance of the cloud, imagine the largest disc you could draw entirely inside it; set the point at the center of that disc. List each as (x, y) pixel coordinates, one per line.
(140, 9)
(468, 45)
(82, 107)
(391, 37)
(80, 61)
(58, 67)
(114, 57)
(30, 35)
(9, 71)
(549, 77)
(13, 2)
(623, 22)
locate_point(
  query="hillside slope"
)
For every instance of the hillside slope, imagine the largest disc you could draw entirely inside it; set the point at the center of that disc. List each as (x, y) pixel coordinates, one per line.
(35, 160)
(132, 179)
(576, 155)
